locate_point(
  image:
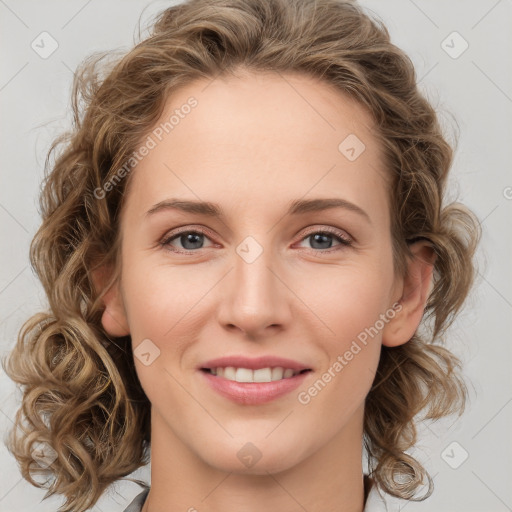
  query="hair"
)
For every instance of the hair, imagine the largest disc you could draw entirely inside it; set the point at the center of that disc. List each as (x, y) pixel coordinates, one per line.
(81, 394)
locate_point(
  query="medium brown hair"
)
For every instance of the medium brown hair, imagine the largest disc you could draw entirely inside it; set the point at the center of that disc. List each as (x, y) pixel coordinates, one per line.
(81, 394)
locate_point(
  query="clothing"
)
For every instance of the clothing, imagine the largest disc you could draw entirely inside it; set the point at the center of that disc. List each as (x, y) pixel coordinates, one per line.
(375, 501)
(138, 502)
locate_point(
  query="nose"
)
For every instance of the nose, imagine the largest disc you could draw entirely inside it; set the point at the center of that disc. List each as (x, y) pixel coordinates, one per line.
(255, 298)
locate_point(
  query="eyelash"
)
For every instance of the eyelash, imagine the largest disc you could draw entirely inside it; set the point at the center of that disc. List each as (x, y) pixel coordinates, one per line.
(343, 240)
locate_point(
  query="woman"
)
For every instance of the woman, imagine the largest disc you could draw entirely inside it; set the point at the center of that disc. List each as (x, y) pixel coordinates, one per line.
(241, 242)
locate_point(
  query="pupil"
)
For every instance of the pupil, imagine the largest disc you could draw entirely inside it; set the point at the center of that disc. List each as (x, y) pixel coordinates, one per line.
(189, 237)
(321, 238)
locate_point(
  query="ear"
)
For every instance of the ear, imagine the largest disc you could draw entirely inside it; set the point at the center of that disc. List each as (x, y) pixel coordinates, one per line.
(415, 288)
(114, 318)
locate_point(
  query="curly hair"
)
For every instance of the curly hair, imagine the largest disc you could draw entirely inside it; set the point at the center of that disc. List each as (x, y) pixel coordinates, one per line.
(81, 394)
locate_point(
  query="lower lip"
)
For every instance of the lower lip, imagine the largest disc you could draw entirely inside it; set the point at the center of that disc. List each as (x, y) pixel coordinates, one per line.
(253, 393)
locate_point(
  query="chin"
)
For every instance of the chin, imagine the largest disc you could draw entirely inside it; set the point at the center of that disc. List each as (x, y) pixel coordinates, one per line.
(255, 458)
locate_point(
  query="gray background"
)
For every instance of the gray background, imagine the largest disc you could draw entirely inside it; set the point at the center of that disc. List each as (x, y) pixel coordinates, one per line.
(475, 89)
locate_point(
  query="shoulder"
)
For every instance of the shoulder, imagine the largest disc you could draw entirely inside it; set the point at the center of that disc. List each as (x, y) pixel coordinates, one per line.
(138, 502)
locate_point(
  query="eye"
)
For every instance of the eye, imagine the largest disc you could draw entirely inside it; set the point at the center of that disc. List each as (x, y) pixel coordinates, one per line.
(322, 239)
(190, 240)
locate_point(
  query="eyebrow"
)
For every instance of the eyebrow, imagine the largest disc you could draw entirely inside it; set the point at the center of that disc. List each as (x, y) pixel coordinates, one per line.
(296, 207)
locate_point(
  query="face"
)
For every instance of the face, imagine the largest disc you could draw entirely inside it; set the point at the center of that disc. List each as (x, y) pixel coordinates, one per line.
(269, 271)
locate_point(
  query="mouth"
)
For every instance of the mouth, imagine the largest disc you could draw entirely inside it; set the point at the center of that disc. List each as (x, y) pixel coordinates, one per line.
(260, 375)
(253, 380)
(253, 387)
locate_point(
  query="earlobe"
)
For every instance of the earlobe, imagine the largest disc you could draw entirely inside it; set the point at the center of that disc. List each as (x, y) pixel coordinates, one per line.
(416, 287)
(114, 319)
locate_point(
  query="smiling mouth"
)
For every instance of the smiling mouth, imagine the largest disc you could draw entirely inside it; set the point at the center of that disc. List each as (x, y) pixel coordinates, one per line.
(269, 374)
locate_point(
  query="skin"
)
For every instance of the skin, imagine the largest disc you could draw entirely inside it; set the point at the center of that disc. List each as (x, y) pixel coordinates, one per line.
(253, 144)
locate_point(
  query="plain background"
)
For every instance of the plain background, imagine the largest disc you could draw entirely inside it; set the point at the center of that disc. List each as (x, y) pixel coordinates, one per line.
(473, 88)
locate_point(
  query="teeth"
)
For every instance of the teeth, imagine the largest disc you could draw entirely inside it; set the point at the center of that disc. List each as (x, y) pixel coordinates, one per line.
(244, 375)
(248, 375)
(261, 375)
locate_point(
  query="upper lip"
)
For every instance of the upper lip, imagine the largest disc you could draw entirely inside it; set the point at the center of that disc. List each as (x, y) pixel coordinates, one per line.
(254, 363)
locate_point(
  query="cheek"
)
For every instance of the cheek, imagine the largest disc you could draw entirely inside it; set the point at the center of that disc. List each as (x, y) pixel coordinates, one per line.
(352, 303)
(351, 306)
(347, 299)
(156, 297)
(163, 305)
(159, 308)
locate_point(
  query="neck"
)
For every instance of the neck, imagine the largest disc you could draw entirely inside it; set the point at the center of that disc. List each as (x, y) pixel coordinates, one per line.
(331, 478)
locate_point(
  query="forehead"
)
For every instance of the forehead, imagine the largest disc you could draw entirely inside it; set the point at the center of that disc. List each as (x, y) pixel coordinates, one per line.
(265, 136)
